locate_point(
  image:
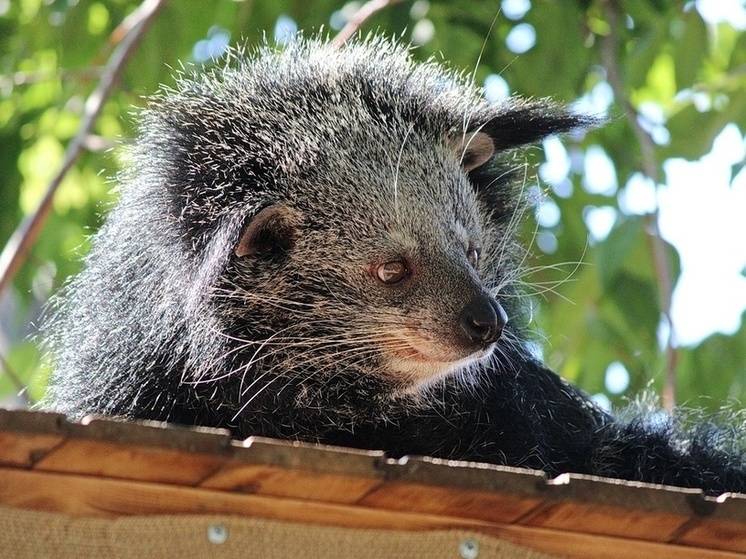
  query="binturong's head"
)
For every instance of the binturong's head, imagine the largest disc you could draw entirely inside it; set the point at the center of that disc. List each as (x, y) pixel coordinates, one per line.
(360, 204)
(305, 216)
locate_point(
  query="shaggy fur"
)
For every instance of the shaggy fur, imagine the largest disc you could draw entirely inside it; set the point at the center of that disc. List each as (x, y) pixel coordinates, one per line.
(238, 281)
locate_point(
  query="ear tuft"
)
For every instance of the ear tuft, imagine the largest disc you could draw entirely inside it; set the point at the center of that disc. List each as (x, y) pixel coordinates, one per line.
(520, 123)
(273, 230)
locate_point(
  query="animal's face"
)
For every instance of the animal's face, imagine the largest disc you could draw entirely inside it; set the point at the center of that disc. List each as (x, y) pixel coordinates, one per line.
(389, 273)
(367, 229)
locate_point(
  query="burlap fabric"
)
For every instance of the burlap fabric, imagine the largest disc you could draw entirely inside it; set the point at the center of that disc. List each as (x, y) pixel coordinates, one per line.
(28, 534)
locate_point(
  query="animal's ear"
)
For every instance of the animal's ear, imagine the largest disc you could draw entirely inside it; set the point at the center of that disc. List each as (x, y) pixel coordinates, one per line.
(474, 149)
(518, 123)
(273, 230)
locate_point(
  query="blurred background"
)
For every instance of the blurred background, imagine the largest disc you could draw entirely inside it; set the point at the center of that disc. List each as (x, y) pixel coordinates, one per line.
(637, 274)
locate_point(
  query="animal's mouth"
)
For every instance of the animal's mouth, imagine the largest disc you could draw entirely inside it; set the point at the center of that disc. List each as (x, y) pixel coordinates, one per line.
(425, 362)
(411, 353)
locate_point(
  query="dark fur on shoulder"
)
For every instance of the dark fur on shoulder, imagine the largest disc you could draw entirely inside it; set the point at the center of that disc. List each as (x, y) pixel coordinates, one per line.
(320, 244)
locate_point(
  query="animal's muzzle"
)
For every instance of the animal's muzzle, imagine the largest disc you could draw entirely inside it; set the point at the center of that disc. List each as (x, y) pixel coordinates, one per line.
(483, 320)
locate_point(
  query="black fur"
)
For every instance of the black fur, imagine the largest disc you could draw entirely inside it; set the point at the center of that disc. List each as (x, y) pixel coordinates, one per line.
(186, 312)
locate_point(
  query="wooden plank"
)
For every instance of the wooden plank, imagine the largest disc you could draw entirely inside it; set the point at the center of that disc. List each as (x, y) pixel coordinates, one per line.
(281, 482)
(467, 475)
(125, 461)
(300, 470)
(628, 495)
(26, 436)
(24, 450)
(98, 497)
(148, 451)
(716, 534)
(316, 458)
(606, 520)
(457, 503)
(585, 546)
(202, 440)
(25, 421)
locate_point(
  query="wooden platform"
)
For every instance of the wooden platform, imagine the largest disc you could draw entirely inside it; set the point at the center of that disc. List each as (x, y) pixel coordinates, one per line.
(105, 488)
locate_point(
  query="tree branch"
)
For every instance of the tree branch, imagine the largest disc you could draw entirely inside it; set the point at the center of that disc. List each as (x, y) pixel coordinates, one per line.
(649, 167)
(28, 231)
(359, 18)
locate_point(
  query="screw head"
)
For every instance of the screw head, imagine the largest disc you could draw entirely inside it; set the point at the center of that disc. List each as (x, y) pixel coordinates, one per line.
(469, 548)
(217, 533)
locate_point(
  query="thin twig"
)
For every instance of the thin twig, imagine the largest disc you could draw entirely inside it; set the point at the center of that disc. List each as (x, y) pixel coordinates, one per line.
(359, 18)
(649, 167)
(27, 232)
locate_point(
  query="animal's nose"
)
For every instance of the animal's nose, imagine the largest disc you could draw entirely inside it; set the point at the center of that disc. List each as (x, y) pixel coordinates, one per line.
(483, 320)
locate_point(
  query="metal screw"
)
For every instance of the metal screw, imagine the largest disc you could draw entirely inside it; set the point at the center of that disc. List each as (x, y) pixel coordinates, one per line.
(217, 533)
(469, 548)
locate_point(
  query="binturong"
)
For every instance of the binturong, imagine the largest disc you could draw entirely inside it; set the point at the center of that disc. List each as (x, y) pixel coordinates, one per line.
(320, 244)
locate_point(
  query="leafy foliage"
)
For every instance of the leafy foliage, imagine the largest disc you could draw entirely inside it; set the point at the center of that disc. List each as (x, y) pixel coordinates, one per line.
(653, 58)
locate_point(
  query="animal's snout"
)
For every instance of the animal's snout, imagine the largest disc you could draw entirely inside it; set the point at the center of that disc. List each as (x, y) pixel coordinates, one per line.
(483, 320)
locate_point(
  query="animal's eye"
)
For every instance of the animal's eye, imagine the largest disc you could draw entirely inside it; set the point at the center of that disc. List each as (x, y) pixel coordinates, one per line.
(392, 272)
(472, 255)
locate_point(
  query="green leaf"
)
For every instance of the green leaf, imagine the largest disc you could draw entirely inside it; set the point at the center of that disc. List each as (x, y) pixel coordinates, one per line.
(690, 50)
(716, 367)
(692, 131)
(644, 50)
(638, 301)
(621, 247)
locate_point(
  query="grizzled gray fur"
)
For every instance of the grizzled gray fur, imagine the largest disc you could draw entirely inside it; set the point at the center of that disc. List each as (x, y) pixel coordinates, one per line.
(319, 244)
